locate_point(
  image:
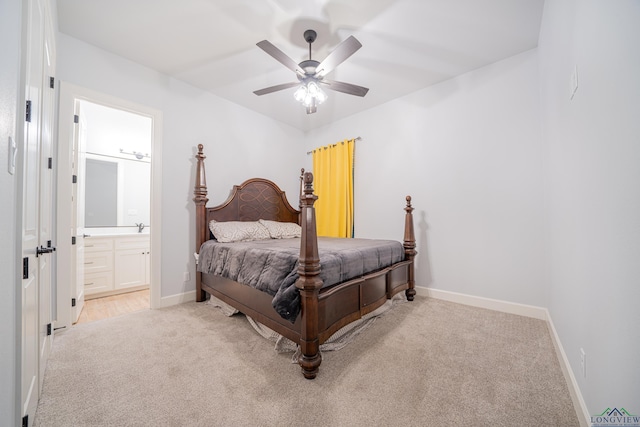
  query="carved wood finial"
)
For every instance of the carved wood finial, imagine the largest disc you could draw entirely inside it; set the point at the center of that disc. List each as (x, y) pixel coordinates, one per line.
(307, 198)
(409, 208)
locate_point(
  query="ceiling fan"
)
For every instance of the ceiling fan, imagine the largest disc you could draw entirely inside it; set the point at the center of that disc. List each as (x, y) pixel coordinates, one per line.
(311, 73)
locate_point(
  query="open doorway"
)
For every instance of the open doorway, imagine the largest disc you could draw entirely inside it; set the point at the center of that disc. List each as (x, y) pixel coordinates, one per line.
(115, 194)
(110, 148)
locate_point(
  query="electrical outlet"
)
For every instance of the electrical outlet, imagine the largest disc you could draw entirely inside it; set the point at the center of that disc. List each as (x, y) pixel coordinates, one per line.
(186, 276)
(583, 363)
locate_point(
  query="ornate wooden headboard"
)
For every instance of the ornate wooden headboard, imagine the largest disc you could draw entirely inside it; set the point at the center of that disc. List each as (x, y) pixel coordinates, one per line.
(255, 199)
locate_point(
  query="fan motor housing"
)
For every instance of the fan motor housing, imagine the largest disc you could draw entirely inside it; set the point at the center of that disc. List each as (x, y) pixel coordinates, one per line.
(309, 66)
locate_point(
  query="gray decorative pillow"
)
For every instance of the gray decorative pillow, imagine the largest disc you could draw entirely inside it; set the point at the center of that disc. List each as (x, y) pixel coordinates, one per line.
(281, 230)
(238, 231)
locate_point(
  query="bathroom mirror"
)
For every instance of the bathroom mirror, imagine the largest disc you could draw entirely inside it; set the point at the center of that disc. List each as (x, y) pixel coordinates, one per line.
(117, 192)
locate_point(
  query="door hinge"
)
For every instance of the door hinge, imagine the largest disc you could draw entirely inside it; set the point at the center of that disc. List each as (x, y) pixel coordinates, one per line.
(25, 267)
(50, 162)
(28, 111)
(74, 179)
(73, 240)
(25, 421)
(48, 243)
(73, 302)
(52, 82)
(76, 118)
(48, 329)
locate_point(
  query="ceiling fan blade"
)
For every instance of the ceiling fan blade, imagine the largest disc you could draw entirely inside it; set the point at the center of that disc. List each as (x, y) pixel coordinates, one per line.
(280, 56)
(348, 88)
(275, 88)
(338, 56)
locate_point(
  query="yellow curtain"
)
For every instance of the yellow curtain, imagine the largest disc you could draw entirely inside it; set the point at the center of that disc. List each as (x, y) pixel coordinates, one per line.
(333, 184)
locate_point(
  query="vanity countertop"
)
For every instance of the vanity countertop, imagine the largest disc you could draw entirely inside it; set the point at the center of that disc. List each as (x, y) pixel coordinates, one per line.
(114, 232)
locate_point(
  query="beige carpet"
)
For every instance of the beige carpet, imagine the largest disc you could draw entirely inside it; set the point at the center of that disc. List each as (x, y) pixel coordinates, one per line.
(425, 363)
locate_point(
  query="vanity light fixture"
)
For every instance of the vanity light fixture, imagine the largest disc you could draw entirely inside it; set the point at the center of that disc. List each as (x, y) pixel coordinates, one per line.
(137, 154)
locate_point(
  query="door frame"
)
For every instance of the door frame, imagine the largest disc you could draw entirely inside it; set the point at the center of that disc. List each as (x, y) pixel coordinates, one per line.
(69, 93)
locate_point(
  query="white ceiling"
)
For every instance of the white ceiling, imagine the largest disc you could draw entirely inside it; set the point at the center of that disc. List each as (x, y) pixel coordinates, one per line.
(211, 44)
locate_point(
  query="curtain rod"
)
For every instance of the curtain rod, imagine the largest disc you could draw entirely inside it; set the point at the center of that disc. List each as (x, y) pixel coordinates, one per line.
(357, 138)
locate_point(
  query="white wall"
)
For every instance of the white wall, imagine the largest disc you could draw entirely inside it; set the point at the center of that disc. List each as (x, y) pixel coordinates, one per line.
(468, 152)
(239, 144)
(10, 30)
(593, 192)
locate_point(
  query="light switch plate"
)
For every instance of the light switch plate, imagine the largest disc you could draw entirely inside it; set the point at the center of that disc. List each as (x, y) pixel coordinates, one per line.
(13, 150)
(574, 81)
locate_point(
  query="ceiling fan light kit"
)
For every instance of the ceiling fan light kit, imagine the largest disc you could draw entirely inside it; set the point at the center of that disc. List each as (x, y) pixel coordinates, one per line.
(311, 73)
(310, 95)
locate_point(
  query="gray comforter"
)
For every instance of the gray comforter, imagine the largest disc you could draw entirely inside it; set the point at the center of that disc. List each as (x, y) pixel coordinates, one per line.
(271, 265)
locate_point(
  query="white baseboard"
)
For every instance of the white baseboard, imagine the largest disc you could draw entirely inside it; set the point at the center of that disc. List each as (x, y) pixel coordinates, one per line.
(576, 397)
(177, 299)
(528, 311)
(488, 303)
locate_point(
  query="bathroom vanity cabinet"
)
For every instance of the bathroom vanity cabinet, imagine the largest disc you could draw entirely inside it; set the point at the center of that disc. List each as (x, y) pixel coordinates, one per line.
(116, 264)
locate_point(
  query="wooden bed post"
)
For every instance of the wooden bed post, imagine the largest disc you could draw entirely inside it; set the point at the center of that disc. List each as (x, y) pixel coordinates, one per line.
(200, 198)
(410, 249)
(309, 283)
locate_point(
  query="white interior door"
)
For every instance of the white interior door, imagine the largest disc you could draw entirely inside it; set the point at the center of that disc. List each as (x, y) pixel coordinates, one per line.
(30, 214)
(46, 256)
(70, 243)
(80, 162)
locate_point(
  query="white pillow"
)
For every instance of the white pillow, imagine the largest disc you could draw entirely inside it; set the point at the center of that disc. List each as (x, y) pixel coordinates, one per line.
(238, 231)
(282, 230)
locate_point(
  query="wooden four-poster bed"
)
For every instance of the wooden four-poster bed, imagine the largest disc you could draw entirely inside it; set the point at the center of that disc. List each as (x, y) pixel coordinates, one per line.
(320, 310)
